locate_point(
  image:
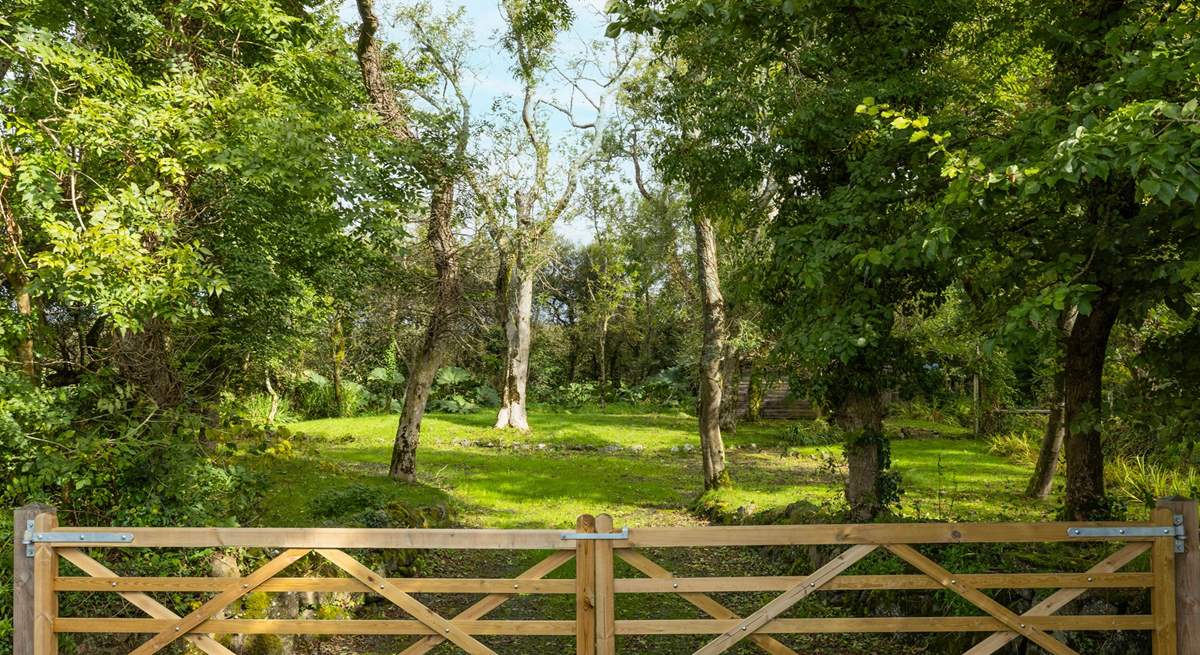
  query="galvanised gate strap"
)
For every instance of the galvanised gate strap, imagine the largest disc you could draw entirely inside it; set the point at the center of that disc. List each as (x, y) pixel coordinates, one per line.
(1179, 532)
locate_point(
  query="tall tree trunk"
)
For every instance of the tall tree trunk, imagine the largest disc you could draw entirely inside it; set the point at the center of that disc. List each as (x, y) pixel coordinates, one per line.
(572, 344)
(445, 173)
(712, 447)
(1042, 480)
(428, 360)
(1083, 367)
(572, 354)
(603, 345)
(860, 415)
(338, 343)
(614, 366)
(25, 352)
(517, 331)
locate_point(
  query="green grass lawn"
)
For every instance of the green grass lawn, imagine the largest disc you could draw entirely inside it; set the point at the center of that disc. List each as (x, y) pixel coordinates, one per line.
(644, 469)
(641, 467)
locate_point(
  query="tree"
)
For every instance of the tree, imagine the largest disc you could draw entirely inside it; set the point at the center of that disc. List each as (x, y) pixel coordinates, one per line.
(609, 284)
(702, 203)
(843, 252)
(524, 168)
(1090, 196)
(443, 171)
(1042, 480)
(712, 355)
(173, 182)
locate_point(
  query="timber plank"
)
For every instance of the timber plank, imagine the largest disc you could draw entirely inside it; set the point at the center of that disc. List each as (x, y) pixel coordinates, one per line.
(931, 624)
(1060, 598)
(980, 600)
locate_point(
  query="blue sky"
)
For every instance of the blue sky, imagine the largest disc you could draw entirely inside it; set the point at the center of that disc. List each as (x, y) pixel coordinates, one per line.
(490, 78)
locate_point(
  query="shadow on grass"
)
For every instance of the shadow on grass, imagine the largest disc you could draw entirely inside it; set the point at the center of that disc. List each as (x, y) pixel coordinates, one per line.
(510, 484)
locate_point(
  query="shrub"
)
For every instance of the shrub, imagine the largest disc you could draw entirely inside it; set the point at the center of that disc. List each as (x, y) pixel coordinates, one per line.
(457, 391)
(1020, 446)
(384, 385)
(314, 396)
(816, 432)
(255, 409)
(1136, 479)
(669, 387)
(576, 394)
(455, 404)
(358, 505)
(105, 456)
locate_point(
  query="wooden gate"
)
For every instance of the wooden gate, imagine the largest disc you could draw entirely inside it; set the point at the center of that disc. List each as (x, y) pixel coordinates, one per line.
(594, 545)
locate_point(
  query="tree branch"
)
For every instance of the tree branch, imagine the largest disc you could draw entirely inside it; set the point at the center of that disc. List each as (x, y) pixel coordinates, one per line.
(370, 63)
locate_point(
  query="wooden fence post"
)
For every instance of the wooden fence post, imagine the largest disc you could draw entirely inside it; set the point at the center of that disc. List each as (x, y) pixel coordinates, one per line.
(606, 627)
(1187, 576)
(45, 600)
(585, 588)
(23, 579)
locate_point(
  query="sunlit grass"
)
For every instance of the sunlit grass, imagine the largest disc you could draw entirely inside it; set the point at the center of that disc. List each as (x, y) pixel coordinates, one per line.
(634, 465)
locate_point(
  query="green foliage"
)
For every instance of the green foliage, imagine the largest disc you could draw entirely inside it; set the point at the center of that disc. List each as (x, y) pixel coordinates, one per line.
(358, 505)
(458, 391)
(386, 382)
(576, 394)
(452, 376)
(314, 396)
(669, 387)
(255, 409)
(533, 26)
(1018, 446)
(453, 404)
(812, 433)
(1138, 480)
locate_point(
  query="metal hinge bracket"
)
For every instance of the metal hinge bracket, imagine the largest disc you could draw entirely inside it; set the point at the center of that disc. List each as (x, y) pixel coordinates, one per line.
(32, 538)
(580, 536)
(27, 539)
(1177, 531)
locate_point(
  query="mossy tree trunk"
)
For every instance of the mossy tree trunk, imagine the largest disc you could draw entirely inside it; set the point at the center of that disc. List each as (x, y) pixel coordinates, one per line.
(712, 446)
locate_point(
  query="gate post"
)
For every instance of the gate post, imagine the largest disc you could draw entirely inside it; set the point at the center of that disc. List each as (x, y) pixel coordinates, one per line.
(24, 579)
(1187, 576)
(606, 638)
(585, 588)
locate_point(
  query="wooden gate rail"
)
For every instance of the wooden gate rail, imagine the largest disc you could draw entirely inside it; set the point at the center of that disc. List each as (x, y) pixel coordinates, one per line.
(595, 546)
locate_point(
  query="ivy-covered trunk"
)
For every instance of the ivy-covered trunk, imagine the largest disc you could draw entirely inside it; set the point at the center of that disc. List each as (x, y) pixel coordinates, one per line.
(860, 416)
(428, 359)
(1084, 370)
(445, 174)
(517, 331)
(712, 447)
